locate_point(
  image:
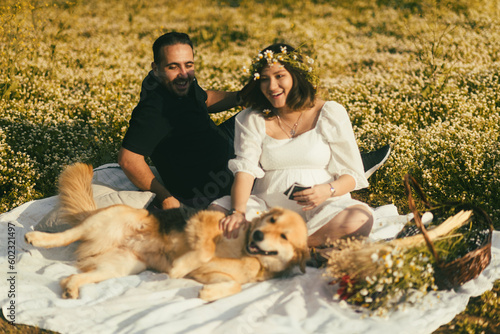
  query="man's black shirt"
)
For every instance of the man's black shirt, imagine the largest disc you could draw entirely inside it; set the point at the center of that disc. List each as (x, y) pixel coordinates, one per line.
(189, 151)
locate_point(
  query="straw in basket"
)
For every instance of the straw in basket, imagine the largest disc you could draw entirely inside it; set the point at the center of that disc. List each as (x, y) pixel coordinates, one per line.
(452, 274)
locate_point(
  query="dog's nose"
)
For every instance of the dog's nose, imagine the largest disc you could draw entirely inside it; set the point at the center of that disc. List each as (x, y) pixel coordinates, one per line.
(258, 236)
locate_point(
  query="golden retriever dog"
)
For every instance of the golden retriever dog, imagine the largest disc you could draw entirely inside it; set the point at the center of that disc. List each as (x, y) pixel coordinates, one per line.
(120, 240)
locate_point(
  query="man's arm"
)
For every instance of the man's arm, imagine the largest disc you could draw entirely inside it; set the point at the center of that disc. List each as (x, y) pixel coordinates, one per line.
(138, 171)
(218, 101)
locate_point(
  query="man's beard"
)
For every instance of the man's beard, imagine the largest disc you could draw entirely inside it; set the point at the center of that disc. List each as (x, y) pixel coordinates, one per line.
(180, 87)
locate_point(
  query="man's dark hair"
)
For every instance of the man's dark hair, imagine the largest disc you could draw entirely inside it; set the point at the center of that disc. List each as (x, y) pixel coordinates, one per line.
(170, 38)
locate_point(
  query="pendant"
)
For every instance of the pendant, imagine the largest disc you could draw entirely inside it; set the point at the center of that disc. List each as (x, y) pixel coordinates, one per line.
(292, 132)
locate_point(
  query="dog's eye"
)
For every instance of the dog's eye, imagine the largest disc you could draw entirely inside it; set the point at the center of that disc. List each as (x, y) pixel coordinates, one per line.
(272, 220)
(283, 236)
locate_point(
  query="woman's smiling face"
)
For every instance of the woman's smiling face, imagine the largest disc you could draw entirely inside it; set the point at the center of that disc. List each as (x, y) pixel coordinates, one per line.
(276, 83)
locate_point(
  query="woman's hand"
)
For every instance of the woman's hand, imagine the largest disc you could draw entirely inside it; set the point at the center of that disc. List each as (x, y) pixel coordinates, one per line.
(230, 225)
(312, 197)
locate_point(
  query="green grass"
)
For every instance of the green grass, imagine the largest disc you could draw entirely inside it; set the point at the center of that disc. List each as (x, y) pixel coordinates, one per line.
(420, 75)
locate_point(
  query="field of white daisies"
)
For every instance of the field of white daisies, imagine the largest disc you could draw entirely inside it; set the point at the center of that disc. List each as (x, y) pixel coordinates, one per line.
(422, 76)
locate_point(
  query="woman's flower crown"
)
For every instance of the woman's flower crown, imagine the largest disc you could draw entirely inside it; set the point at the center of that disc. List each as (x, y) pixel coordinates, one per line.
(295, 59)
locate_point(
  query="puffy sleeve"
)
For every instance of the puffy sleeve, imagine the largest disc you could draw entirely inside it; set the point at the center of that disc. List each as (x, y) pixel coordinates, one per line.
(250, 130)
(336, 128)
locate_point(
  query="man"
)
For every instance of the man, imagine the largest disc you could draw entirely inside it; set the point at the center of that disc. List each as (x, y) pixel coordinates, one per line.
(172, 126)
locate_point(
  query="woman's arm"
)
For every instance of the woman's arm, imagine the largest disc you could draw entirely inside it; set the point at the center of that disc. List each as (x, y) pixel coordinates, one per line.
(249, 132)
(336, 128)
(240, 193)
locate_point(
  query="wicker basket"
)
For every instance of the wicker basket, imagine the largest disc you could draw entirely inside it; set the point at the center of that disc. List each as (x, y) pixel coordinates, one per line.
(455, 273)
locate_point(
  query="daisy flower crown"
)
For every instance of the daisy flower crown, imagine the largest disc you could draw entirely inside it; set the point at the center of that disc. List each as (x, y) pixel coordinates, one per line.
(303, 63)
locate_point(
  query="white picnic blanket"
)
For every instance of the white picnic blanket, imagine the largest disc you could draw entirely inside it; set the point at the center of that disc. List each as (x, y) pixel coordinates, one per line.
(152, 303)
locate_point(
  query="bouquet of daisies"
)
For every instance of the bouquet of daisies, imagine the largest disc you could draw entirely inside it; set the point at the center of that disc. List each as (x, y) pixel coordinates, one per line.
(380, 276)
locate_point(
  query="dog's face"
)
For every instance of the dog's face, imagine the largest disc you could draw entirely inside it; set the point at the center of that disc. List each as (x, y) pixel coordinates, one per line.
(279, 239)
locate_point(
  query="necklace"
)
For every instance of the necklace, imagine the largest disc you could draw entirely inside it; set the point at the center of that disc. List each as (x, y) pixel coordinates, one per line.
(293, 129)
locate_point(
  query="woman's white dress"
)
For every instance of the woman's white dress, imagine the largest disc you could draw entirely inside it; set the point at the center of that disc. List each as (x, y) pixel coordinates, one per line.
(320, 155)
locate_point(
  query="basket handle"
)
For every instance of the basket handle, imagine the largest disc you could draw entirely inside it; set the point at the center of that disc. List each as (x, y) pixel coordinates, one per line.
(410, 183)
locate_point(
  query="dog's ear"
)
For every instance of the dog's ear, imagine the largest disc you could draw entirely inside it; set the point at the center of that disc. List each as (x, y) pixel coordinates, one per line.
(302, 255)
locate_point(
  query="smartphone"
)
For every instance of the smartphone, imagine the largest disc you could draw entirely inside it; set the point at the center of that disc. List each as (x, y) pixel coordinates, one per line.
(293, 189)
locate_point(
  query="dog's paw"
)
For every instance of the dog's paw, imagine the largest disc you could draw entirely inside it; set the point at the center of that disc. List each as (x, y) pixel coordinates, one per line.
(212, 292)
(70, 294)
(177, 272)
(34, 238)
(208, 294)
(69, 290)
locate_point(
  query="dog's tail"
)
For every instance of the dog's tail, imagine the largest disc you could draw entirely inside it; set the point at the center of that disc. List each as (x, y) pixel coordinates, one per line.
(75, 193)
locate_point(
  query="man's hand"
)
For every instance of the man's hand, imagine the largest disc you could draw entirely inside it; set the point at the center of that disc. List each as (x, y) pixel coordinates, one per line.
(170, 203)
